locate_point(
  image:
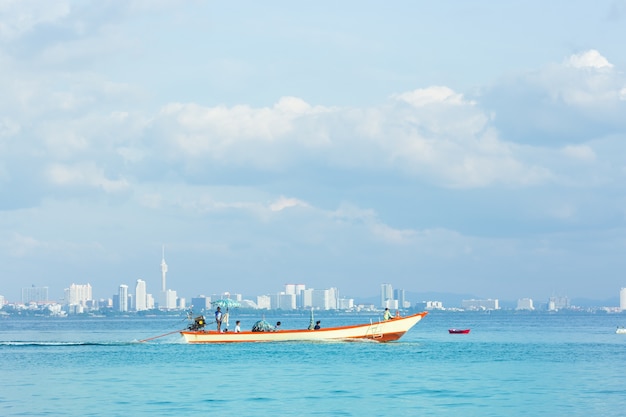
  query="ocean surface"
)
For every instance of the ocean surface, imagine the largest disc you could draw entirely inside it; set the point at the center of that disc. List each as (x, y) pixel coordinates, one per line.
(511, 364)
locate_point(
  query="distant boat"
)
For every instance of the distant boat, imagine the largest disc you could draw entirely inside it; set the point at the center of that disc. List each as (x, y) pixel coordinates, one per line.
(379, 331)
(458, 331)
(620, 330)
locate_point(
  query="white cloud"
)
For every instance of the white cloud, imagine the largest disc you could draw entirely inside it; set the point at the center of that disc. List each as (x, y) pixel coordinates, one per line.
(283, 203)
(587, 80)
(85, 174)
(368, 218)
(588, 59)
(18, 17)
(391, 235)
(580, 152)
(442, 137)
(432, 95)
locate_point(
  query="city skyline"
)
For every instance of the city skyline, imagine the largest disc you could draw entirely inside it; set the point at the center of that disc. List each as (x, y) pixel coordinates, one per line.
(387, 293)
(442, 146)
(169, 299)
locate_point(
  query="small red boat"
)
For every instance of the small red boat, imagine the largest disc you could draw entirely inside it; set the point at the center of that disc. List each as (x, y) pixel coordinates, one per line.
(458, 331)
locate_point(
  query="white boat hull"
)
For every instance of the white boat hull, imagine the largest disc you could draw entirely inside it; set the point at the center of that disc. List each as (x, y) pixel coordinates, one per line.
(381, 331)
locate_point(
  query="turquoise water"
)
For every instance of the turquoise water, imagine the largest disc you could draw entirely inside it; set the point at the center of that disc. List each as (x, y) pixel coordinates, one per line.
(509, 365)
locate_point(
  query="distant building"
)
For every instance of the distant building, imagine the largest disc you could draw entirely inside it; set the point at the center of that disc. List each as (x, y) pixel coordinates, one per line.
(320, 299)
(264, 302)
(386, 293)
(297, 290)
(429, 305)
(487, 304)
(400, 296)
(201, 303)
(149, 302)
(168, 297)
(1, 301)
(163, 272)
(345, 304)
(558, 303)
(286, 301)
(107, 302)
(34, 294)
(170, 300)
(122, 297)
(622, 299)
(525, 304)
(78, 297)
(141, 296)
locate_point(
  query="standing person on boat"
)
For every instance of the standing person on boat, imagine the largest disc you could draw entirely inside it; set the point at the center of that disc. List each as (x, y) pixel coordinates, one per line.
(387, 315)
(237, 327)
(277, 328)
(218, 318)
(317, 325)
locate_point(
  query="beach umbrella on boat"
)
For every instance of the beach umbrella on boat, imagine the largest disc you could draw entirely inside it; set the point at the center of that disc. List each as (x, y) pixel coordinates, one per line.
(226, 303)
(262, 326)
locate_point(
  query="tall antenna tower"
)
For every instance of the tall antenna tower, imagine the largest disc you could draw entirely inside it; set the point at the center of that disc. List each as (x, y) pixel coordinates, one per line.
(163, 271)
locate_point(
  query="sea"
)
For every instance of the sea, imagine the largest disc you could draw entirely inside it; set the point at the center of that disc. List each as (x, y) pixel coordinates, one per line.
(510, 364)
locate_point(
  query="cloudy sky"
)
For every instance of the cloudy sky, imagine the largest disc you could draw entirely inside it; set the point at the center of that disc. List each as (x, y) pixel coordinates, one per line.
(467, 147)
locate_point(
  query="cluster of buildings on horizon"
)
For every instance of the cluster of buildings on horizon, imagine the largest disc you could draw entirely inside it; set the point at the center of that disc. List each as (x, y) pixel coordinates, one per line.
(78, 299)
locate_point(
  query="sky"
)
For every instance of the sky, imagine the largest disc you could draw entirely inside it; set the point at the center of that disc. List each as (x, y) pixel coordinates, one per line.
(440, 146)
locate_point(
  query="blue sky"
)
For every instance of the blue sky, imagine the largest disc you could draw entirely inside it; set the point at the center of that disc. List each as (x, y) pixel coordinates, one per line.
(465, 147)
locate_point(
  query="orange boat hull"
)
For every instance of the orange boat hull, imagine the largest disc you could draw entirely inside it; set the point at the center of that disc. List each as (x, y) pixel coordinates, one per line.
(381, 331)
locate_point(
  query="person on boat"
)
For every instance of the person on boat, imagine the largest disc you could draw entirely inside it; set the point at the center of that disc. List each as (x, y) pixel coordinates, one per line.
(387, 314)
(317, 325)
(277, 328)
(218, 318)
(237, 327)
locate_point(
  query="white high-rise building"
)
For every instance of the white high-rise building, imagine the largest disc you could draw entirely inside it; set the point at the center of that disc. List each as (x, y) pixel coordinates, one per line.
(294, 288)
(149, 302)
(141, 296)
(123, 298)
(333, 295)
(386, 293)
(525, 304)
(345, 304)
(78, 294)
(400, 295)
(320, 299)
(297, 290)
(264, 302)
(556, 303)
(34, 295)
(170, 300)
(622, 299)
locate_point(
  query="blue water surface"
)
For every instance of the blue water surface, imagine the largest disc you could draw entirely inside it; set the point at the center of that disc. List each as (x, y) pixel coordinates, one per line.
(511, 364)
